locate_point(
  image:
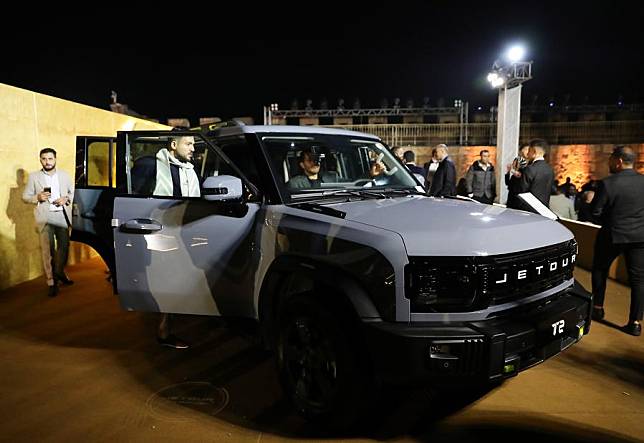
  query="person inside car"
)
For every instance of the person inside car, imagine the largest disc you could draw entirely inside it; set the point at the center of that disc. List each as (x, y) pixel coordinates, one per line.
(311, 177)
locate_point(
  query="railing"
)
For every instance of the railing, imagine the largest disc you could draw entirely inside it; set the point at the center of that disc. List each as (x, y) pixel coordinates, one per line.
(429, 134)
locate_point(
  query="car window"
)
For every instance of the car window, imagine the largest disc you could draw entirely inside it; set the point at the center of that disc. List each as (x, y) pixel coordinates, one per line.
(305, 162)
(154, 160)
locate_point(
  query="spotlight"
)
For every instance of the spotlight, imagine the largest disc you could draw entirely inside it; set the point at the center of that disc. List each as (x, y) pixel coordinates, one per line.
(497, 82)
(515, 53)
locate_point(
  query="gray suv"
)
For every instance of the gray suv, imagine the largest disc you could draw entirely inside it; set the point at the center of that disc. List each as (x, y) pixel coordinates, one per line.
(321, 236)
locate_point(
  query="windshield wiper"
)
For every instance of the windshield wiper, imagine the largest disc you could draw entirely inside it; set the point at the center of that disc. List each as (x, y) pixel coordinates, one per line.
(355, 192)
(402, 191)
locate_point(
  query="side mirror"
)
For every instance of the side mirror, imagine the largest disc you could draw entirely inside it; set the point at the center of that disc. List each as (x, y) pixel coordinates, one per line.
(222, 187)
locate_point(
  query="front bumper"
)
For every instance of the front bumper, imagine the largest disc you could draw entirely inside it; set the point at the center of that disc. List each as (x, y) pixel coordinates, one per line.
(480, 351)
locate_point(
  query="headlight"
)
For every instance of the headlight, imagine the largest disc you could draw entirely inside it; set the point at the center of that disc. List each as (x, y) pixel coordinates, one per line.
(446, 286)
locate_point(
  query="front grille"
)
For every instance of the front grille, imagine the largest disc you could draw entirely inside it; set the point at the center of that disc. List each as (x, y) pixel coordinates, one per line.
(491, 280)
(509, 268)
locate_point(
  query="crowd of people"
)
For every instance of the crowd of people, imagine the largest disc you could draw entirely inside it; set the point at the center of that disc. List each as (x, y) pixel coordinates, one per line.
(479, 182)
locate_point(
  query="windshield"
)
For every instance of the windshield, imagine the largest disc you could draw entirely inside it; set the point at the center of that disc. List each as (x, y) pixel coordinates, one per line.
(313, 164)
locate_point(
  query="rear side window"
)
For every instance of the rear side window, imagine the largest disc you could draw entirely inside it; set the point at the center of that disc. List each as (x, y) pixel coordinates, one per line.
(100, 171)
(95, 162)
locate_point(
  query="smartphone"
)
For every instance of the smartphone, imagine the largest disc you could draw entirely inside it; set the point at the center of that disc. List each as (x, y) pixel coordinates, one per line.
(47, 189)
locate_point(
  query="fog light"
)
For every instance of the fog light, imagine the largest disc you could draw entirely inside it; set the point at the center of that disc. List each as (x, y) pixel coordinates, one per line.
(508, 368)
(435, 349)
(581, 332)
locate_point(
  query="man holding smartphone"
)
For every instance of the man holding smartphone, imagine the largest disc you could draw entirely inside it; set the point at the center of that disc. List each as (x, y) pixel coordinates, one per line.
(52, 192)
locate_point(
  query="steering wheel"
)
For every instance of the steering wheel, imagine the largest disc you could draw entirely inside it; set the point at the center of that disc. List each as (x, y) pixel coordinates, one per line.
(365, 183)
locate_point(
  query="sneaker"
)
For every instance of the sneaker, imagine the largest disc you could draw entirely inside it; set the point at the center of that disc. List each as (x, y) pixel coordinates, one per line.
(172, 341)
(598, 313)
(633, 329)
(53, 291)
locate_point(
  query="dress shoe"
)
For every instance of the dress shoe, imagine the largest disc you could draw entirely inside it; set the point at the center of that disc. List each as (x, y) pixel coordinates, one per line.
(598, 313)
(172, 341)
(65, 280)
(633, 329)
(53, 291)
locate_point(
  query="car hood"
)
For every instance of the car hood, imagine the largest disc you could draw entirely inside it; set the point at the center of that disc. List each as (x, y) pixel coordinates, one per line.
(448, 227)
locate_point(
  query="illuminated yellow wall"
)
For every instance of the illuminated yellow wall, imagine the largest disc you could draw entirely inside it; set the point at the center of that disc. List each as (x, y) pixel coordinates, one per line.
(29, 122)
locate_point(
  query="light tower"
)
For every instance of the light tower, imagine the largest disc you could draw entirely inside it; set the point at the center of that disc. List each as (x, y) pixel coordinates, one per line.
(507, 75)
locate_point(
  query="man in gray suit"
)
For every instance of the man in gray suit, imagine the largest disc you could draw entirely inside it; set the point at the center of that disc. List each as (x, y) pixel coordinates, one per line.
(52, 191)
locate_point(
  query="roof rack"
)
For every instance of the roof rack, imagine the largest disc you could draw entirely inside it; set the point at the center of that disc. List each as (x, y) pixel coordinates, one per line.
(211, 128)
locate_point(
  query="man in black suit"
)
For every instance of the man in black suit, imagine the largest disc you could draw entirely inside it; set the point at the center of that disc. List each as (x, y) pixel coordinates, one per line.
(410, 161)
(619, 207)
(444, 180)
(538, 176)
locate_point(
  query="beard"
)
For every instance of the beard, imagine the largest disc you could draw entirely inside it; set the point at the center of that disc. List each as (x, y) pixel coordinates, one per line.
(49, 167)
(182, 158)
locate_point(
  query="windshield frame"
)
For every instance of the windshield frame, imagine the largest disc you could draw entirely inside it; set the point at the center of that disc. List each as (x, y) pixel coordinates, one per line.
(327, 192)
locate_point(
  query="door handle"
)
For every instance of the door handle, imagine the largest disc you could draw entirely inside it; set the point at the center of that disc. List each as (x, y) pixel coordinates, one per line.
(140, 226)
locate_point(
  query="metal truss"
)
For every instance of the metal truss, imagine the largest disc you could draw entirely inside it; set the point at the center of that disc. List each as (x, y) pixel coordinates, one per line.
(364, 112)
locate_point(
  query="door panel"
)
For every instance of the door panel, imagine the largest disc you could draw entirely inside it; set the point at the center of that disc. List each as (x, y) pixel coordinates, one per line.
(94, 195)
(201, 255)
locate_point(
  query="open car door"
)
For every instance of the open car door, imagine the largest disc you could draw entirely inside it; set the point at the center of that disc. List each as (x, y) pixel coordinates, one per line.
(95, 180)
(182, 254)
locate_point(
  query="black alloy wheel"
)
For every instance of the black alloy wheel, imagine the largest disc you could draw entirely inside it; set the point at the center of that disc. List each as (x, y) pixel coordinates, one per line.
(322, 364)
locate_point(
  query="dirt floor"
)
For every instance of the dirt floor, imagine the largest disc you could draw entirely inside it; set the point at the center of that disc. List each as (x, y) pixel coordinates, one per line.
(78, 368)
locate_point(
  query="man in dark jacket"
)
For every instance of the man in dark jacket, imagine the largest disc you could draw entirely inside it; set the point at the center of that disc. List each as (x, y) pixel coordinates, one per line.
(538, 176)
(444, 181)
(480, 179)
(513, 177)
(619, 207)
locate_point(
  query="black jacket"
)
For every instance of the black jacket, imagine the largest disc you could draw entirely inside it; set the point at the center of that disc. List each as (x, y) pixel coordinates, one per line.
(619, 206)
(417, 170)
(480, 182)
(514, 184)
(444, 180)
(537, 178)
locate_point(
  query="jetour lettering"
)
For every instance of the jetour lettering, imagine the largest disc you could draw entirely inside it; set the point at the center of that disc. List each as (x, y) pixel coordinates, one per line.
(553, 266)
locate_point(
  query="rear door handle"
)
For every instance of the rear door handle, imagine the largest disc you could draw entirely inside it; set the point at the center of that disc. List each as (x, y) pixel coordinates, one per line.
(140, 226)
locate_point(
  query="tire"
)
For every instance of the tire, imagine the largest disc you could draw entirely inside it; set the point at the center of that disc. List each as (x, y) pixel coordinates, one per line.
(322, 363)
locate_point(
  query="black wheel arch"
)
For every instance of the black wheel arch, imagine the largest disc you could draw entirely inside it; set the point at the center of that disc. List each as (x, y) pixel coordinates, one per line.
(289, 276)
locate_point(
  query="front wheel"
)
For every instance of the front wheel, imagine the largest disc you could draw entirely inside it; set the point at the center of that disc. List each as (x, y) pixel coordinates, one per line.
(322, 364)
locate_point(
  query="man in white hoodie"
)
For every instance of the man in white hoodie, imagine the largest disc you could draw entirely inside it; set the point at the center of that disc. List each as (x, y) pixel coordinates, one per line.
(170, 173)
(175, 174)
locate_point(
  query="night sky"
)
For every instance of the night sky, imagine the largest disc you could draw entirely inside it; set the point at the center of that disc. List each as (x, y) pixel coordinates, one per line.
(230, 61)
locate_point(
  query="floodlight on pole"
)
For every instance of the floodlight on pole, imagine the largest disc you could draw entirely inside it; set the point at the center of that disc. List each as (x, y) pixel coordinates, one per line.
(515, 53)
(507, 75)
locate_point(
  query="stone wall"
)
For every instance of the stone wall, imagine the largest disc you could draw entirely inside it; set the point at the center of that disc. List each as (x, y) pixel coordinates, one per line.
(29, 122)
